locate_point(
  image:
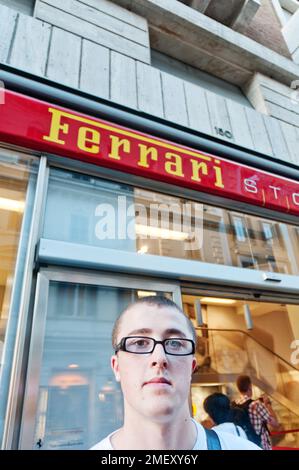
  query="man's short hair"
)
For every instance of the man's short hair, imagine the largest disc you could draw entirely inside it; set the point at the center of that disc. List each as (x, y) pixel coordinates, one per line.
(153, 300)
(243, 383)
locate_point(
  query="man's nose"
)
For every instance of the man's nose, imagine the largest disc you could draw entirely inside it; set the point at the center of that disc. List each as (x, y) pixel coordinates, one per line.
(159, 357)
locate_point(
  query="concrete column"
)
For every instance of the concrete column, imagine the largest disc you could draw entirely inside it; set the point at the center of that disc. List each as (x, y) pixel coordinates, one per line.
(291, 35)
(200, 5)
(245, 15)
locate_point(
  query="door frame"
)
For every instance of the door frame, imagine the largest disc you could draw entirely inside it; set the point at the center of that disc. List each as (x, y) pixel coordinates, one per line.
(78, 276)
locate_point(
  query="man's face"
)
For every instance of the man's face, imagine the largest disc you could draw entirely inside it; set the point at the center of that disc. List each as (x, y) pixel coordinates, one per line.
(155, 385)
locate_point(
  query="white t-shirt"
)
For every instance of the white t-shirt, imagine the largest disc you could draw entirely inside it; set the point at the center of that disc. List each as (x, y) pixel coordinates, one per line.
(228, 441)
(231, 429)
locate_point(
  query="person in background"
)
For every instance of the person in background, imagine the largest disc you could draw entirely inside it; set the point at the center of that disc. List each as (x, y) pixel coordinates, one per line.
(260, 411)
(217, 406)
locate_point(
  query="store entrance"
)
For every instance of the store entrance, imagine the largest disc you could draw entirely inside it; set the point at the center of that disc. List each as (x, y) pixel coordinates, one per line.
(71, 399)
(258, 339)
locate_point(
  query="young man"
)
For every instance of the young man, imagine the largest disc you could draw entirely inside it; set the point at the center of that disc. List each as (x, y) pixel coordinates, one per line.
(260, 411)
(154, 345)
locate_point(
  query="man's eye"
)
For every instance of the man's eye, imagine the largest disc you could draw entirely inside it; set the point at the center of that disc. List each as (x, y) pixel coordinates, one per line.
(141, 342)
(175, 344)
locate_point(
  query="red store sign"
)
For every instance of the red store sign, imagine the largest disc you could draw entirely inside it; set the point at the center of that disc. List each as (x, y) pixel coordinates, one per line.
(44, 127)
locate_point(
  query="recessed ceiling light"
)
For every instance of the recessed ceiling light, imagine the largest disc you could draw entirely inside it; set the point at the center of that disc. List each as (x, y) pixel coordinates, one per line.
(11, 204)
(145, 293)
(214, 300)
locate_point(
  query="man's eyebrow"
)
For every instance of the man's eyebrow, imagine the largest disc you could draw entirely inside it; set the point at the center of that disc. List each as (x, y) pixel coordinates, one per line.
(166, 333)
(175, 331)
(142, 331)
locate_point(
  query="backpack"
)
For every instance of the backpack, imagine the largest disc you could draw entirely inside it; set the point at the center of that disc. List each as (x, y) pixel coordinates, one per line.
(240, 414)
(213, 441)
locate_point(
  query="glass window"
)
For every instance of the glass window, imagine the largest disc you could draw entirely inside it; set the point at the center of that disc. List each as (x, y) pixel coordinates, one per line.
(100, 213)
(79, 402)
(219, 235)
(225, 346)
(228, 316)
(17, 189)
(88, 210)
(267, 230)
(239, 229)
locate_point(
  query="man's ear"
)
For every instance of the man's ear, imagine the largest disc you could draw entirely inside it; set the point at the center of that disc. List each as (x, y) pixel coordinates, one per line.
(194, 364)
(115, 367)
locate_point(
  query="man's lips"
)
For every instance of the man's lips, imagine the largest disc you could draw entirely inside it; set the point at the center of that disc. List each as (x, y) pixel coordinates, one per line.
(157, 380)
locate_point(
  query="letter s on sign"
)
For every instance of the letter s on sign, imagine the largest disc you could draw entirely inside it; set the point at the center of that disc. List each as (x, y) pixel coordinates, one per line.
(250, 185)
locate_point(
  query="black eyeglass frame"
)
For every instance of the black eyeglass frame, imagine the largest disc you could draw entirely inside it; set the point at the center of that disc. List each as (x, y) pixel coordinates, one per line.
(121, 346)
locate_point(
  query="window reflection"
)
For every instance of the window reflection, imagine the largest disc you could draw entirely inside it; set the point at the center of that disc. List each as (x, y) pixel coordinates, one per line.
(79, 401)
(228, 237)
(240, 231)
(101, 213)
(14, 178)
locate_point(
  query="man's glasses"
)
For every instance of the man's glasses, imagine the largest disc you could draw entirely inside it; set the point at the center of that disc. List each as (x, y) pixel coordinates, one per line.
(146, 345)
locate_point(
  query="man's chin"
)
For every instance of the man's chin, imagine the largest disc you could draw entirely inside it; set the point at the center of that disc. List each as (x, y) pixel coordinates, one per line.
(160, 410)
(161, 416)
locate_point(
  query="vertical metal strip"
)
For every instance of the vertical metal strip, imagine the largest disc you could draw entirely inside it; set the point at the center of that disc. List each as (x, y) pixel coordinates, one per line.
(34, 233)
(34, 362)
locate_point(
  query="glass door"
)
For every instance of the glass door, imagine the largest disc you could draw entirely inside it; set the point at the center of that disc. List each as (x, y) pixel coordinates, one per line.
(71, 398)
(257, 338)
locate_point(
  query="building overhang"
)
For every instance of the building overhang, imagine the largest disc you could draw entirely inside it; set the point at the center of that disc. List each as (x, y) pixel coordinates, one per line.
(236, 14)
(192, 37)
